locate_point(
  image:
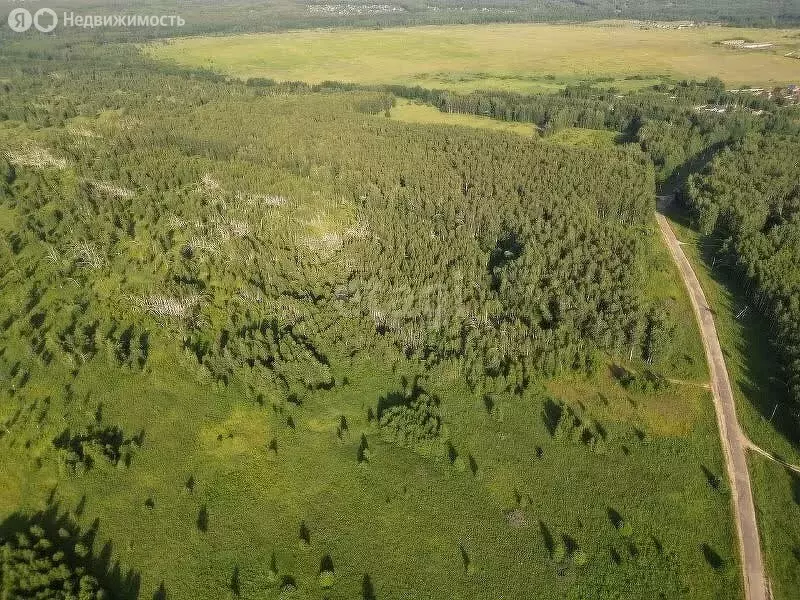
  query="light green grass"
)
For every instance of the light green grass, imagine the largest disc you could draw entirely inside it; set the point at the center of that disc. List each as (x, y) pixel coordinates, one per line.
(586, 138)
(415, 112)
(498, 52)
(778, 506)
(386, 519)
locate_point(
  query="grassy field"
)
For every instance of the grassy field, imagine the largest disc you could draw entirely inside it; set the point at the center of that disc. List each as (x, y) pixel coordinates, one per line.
(384, 521)
(586, 138)
(523, 57)
(415, 112)
(778, 507)
(750, 362)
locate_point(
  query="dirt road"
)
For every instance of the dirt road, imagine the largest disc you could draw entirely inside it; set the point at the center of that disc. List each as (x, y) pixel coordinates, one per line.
(755, 585)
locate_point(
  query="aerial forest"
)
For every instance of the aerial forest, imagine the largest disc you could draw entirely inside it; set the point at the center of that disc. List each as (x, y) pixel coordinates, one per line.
(260, 340)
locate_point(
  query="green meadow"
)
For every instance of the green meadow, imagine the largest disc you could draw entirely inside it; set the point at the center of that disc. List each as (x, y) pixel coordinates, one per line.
(517, 57)
(416, 112)
(515, 503)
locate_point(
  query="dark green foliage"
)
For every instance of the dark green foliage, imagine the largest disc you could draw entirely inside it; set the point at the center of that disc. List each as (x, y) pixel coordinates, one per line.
(658, 334)
(665, 120)
(202, 519)
(567, 424)
(445, 275)
(647, 381)
(513, 259)
(749, 198)
(79, 450)
(411, 419)
(288, 584)
(39, 564)
(305, 533)
(363, 454)
(376, 104)
(367, 589)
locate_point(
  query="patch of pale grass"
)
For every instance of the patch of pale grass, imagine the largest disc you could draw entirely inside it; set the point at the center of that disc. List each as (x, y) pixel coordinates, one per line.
(357, 231)
(261, 200)
(82, 132)
(86, 255)
(324, 245)
(38, 158)
(166, 306)
(109, 189)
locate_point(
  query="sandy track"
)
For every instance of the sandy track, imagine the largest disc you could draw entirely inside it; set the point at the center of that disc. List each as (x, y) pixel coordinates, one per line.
(755, 586)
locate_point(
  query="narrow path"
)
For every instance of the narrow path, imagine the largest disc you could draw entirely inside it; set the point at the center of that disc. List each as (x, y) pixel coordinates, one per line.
(755, 584)
(700, 384)
(759, 450)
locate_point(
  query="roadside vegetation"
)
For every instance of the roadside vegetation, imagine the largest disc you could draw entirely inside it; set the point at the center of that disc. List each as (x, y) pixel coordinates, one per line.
(748, 198)
(765, 412)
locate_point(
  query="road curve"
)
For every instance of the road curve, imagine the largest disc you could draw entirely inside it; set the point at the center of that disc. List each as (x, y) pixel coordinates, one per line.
(755, 584)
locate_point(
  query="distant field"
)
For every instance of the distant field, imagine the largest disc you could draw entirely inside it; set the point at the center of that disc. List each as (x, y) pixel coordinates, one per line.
(413, 112)
(522, 57)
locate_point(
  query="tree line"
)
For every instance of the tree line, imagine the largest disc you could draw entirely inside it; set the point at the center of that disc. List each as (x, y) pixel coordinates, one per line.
(749, 199)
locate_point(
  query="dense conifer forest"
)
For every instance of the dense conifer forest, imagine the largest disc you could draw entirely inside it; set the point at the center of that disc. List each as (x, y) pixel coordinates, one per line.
(667, 121)
(509, 257)
(749, 199)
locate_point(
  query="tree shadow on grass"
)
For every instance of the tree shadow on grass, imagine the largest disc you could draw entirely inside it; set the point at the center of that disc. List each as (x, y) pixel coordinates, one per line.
(202, 519)
(795, 486)
(616, 519)
(367, 588)
(713, 559)
(161, 593)
(551, 415)
(326, 564)
(713, 480)
(235, 583)
(547, 537)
